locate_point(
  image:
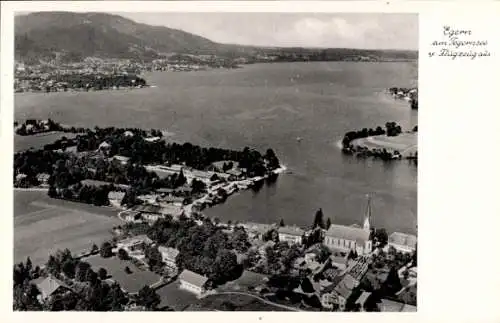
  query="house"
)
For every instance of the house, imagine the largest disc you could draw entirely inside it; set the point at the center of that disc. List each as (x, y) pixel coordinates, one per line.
(163, 191)
(152, 139)
(362, 300)
(173, 210)
(115, 198)
(291, 235)
(192, 282)
(51, 286)
(237, 173)
(43, 178)
(339, 259)
(387, 305)
(95, 183)
(121, 159)
(257, 230)
(403, 242)
(134, 244)
(104, 146)
(359, 268)
(336, 295)
(168, 256)
(174, 200)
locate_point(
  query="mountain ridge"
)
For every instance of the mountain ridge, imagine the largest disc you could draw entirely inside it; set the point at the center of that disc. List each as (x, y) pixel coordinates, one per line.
(71, 36)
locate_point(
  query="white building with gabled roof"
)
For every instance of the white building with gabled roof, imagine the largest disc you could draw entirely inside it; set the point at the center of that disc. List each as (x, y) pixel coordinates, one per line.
(350, 237)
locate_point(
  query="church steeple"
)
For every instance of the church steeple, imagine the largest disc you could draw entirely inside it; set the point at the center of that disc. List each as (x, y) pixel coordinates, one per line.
(368, 214)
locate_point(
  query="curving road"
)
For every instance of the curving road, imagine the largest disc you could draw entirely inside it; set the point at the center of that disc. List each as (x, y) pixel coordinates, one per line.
(289, 308)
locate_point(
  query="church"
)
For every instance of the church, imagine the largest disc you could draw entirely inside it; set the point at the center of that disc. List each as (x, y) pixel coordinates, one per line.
(351, 237)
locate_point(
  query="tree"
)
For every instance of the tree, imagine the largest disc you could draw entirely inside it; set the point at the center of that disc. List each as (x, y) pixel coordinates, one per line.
(29, 265)
(154, 258)
(318, 220)
(52, 191)
(103, 274)
(95, 248)
(239, 239)
(81, 271)
(117, 297)
(381, 236)
(392, 283)
(68, 268)
(282, 223)
(122, 254)
(328, 223)
(127, 270)
(148, 298)
(106, 250)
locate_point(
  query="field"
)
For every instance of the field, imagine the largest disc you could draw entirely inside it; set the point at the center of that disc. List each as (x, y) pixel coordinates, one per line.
(38, 141)
(405, 143)
(174, 297)
(232, 302)
(42, 225)
(247, 280)
(116, 268)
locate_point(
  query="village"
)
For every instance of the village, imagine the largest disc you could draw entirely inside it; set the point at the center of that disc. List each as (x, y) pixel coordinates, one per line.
(167, 255)
(327, 267)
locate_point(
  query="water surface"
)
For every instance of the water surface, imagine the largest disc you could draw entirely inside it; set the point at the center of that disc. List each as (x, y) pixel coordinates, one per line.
(270, 105)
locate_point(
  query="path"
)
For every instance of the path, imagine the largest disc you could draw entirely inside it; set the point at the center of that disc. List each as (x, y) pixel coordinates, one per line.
(31, 189)
(289, 308)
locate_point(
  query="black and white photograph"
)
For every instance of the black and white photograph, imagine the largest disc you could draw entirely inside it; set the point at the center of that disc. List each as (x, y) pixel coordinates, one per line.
(215, 161)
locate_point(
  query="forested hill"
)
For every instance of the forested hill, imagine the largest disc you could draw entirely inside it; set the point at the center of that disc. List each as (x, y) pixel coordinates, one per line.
(70, 36)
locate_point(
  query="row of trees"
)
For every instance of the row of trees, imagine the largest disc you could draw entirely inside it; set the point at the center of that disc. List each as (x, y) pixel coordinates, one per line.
(33, 126)
(391, 129)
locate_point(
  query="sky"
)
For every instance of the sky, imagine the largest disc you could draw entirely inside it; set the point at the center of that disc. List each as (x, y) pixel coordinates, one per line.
(355, 30)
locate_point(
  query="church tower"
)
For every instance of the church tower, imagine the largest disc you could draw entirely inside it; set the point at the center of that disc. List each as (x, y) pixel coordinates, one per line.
(368, 215)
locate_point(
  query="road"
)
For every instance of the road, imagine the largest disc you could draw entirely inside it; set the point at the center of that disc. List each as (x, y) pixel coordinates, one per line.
(31, 189)
(289, 308)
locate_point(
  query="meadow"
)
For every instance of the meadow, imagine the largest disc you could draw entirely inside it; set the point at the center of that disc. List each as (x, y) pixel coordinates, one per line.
(42, 225)
(405, 143)
(115, 267)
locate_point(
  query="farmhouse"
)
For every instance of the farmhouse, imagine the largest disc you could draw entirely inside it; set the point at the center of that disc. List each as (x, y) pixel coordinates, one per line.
(192, 282)
(115, 198)
(290, 234)
(168, 256)
(403, 242)
(337, 294)
(51, 286)
(133, 245)
(121, 159)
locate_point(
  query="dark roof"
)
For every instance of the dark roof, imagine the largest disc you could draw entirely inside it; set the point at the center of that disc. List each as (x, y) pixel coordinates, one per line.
(345, 287)
(147, 208)
(193, 278)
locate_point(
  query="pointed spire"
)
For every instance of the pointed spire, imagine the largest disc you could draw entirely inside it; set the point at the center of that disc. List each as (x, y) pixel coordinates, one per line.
(368, 213)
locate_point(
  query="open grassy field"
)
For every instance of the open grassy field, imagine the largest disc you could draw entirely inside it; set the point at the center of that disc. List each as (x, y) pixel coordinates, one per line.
(38, 141)
(116, 268)
(232, 302)
(42, 225)
(175, 297)
(405, 143)
(247, 280)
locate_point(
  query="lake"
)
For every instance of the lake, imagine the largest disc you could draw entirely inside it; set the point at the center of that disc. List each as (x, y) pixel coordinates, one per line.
(270, 105)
